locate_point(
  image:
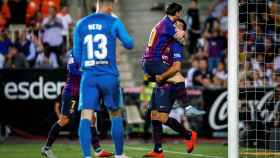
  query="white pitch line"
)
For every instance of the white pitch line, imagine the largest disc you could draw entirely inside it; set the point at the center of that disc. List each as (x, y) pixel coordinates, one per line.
(172, 152)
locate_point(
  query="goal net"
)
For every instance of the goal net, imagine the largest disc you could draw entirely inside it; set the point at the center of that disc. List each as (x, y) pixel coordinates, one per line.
(259, 78)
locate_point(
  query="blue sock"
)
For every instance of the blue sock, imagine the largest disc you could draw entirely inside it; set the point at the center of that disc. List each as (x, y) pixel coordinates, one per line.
(117, 134)
(85, 137)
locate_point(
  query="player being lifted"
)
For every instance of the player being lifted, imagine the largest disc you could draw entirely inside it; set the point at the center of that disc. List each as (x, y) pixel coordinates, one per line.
(95, 49)
(69, 108)
(162, 35)
(163, 59)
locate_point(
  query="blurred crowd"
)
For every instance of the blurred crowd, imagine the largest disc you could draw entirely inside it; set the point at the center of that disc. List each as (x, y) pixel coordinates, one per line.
(259, 44)
(43, 39)
(207, 45)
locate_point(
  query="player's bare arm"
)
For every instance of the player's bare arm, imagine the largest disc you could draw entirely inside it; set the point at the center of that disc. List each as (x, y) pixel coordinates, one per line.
(176, 67)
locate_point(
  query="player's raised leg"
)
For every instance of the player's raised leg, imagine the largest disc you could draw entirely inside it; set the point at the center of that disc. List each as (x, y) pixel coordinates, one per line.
(189, 136)
(164, 102)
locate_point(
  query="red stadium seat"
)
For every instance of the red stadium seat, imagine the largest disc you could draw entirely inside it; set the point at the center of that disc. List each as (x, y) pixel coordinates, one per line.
(32, 8)
(6, 11)
(47, 3)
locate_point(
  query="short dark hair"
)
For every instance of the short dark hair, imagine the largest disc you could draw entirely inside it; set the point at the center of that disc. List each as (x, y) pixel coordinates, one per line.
(173, 8)
(93, 8)
(184, 24)
(13, 46)
(106, 1)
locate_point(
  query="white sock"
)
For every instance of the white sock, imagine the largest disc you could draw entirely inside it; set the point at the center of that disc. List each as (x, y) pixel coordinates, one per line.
(88, 157)
(118, 156)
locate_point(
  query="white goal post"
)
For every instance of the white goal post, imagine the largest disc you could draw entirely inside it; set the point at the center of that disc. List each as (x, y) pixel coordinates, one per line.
(233, 51)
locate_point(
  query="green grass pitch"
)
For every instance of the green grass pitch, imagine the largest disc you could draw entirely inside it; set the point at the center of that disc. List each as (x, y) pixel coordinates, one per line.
(135, 150)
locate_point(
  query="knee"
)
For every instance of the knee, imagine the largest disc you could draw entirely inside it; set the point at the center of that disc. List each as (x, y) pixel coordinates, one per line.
(87, 115)
(159, 116)
(163, 117)
(63, 121)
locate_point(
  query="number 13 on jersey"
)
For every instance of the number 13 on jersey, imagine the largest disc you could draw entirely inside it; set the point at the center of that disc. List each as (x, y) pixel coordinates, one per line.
(100, 53)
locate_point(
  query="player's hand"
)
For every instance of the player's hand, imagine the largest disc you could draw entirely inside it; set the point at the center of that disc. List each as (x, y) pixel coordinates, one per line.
(178, 78)
(180, 34)
(159, 78)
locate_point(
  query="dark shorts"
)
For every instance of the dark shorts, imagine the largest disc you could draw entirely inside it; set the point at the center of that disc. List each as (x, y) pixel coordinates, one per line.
(69, 105)
(163, 98)
(154, 67)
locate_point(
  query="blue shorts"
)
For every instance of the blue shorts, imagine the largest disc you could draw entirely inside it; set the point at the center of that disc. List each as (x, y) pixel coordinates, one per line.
(154, 67)
(163, 98)
(92, 88)
(69, 105)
